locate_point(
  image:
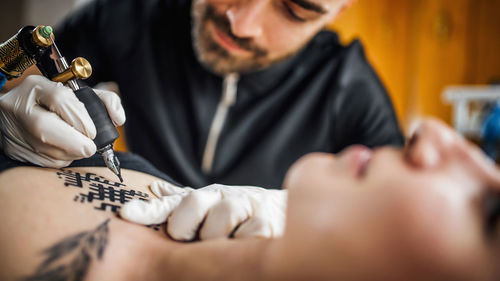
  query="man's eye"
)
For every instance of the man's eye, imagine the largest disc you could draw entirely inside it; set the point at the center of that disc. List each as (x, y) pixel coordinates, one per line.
(291, 13)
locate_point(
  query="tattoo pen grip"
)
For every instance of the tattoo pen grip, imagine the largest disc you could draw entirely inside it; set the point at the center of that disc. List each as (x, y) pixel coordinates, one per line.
(106, 131)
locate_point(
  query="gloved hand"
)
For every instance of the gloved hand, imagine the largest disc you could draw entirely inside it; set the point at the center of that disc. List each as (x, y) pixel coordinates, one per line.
(219, 210)
(42, 122)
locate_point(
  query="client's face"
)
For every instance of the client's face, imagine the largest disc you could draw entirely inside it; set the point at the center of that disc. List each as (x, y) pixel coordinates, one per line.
(423, 211)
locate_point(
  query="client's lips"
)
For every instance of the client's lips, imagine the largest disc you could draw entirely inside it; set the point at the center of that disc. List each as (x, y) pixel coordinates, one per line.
(356, 159)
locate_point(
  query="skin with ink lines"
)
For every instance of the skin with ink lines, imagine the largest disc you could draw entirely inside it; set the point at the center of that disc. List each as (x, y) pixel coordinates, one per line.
(43, 195)
(79, 249)
(101, 189)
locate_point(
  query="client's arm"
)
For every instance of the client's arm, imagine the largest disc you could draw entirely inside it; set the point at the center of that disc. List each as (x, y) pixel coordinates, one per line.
(62, 224)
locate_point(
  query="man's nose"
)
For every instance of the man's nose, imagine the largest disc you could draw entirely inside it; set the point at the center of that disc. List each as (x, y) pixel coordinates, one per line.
(246, 18)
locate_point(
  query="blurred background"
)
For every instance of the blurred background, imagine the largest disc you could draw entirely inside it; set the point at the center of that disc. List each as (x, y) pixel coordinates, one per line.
(418, 47)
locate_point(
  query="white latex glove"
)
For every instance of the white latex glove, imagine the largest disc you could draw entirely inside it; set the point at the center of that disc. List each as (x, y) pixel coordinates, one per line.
(42, 122)
(220, 210)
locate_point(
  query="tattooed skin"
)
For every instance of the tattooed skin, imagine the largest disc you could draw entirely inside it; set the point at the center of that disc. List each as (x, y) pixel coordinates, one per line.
(102, 193)
(70, 258)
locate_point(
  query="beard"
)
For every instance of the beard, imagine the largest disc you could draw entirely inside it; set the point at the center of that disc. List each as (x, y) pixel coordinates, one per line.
(213, 56)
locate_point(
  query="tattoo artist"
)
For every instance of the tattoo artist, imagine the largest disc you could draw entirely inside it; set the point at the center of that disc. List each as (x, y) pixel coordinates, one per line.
(230, 91)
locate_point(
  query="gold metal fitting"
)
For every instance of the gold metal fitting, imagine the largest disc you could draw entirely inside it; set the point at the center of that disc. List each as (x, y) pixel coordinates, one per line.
(80, 68)
(40, 40)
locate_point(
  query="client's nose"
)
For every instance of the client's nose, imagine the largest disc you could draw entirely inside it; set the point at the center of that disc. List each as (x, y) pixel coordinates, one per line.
(434, 144)
(431, 143)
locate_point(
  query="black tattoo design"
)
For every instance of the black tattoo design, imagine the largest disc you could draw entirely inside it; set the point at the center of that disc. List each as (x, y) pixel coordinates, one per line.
(105, 195)
(99, 191)
(75, 179)
(70, 258)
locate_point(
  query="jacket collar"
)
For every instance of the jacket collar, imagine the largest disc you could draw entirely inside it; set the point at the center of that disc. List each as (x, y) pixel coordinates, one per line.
(261, 81)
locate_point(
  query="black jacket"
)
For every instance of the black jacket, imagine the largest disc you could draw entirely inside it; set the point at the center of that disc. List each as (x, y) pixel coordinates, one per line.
(325, 98)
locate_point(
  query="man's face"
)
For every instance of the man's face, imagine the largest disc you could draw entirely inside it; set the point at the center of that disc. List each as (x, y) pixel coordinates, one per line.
(423, 212)
(246, 35)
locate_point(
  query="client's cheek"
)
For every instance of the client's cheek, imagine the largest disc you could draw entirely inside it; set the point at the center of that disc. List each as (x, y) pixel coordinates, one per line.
(441, 234)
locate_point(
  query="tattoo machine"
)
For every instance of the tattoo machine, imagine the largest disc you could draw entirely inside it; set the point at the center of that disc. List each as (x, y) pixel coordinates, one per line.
(35, 45)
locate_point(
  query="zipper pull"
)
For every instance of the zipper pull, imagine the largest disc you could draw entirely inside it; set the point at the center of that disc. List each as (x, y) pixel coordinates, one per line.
(229, 87)
(229, 90)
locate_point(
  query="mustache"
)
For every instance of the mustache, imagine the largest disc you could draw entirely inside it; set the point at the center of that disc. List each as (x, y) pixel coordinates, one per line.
(224, 26)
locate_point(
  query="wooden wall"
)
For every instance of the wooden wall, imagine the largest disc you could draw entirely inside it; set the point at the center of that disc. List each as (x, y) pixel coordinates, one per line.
(420, 46)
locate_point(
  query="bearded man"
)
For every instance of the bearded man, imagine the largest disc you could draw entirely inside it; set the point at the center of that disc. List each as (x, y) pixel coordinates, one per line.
(226, 91)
